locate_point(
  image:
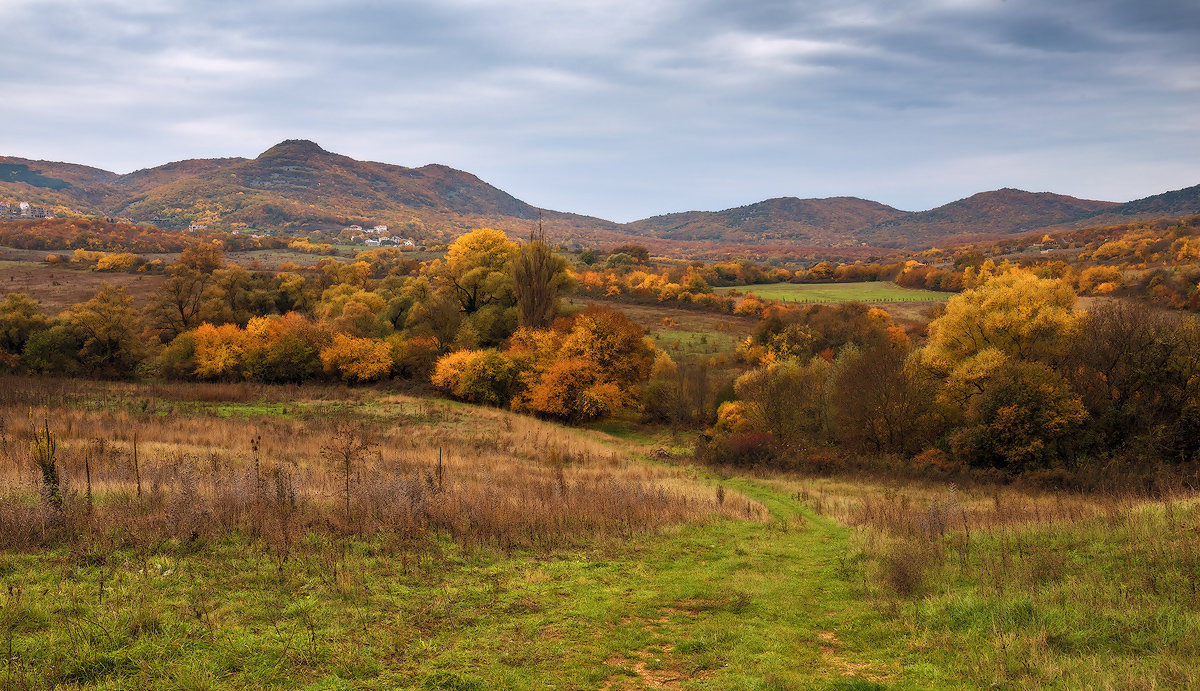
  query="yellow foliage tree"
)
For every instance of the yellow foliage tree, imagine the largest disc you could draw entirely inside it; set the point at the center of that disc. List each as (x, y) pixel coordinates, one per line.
(478, 376)
(477, 269)
(220, 350)
(1015, 313)
(357, 359)
(616, 348)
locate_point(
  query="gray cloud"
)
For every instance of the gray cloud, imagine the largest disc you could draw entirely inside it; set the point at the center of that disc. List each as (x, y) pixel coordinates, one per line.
(630, 109)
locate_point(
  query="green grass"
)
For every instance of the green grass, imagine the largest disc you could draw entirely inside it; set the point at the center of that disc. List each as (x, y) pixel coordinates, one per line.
(874, 291)
(1107, 599)
(730, 605)
(792, 603)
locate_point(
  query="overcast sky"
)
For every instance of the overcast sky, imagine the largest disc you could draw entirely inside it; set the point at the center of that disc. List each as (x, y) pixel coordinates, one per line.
(629, 109)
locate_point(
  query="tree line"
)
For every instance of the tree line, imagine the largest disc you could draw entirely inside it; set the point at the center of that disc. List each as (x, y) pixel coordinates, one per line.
(1011, 376)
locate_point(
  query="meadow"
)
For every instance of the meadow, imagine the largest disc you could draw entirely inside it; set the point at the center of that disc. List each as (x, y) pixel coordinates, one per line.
(329, 537)
(870, 292)
(59, 287)
(681, 332)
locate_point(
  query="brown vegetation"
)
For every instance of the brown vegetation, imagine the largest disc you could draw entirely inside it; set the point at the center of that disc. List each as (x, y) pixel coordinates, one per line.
(405, 469)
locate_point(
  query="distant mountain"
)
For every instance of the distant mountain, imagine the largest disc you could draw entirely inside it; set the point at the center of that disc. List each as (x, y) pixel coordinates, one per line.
(298, 186)
(829, 222)
(1000, 212)
(293, 185)
(1176, 203)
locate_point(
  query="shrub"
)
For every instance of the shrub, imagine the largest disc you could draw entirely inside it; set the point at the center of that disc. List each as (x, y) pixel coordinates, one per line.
(478, 376)
(742, 449)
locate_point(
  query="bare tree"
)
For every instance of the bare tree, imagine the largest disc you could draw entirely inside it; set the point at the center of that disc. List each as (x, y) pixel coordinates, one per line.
(350, 442)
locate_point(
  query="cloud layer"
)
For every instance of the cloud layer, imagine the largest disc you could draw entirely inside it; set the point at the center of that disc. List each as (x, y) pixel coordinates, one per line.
(625, 110)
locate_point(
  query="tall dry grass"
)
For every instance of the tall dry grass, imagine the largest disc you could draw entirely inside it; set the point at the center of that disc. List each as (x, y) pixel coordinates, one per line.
(135, 467)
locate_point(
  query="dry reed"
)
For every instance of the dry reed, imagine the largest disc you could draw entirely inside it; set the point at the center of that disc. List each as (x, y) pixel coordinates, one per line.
(479, 477)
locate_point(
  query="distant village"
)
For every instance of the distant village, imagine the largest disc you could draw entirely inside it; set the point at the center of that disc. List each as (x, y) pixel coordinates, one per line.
(23, 210)
(375, 237)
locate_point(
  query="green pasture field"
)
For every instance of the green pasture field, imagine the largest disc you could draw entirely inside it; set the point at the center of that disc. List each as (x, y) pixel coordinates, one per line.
(873, 291)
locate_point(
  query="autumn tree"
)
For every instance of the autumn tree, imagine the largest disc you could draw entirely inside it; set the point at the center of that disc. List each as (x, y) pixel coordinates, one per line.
(478, 376)
(431, 314)
(357, 359)
(239, 295)
(106, 327)
(786, 399)
(283, 349)
(1014, 315)
(587, 366)
(571, 389)
(352, 310)
(219, 351)
(20, 318)
(292, 293)
(1021, 420)
(637, 253)
(539, 276)
(614, 346)
(177, 304)
(477, 269)
(881, 403)
(681, 393)
(1137, 371)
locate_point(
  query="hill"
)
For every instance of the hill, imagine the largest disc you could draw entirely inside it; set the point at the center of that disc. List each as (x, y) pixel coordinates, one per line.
(297, 186)
(999, 212)
(1174, 204)
(294, 185)
(829, 221)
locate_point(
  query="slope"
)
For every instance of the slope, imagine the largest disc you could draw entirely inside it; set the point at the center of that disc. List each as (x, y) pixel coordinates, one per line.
(811, 221)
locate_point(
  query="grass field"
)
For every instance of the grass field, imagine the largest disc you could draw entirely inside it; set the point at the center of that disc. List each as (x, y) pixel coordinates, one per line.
(59, 287)
(684, 333)
(875, 291)
(779, 582)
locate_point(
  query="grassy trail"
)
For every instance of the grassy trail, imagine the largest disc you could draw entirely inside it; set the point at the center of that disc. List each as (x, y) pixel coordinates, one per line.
(726, 605)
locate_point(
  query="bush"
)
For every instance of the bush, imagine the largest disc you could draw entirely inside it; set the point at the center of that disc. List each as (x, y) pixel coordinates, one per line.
(478, 376)
(742, 449)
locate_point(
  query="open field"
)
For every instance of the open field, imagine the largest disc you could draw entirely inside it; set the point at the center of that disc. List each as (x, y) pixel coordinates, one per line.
(872, 292)
(59, 287)
(537, 556)
(683, 333)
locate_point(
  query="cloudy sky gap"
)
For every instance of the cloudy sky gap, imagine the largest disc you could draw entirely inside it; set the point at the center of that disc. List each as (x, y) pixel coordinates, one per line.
(625, 110)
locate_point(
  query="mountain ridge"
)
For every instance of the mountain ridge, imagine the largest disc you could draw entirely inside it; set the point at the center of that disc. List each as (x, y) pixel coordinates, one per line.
(296, 185)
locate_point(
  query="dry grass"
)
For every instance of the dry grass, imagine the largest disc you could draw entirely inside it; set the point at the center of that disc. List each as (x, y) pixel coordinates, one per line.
(936, 509)
(417, 470)
(57, 288)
